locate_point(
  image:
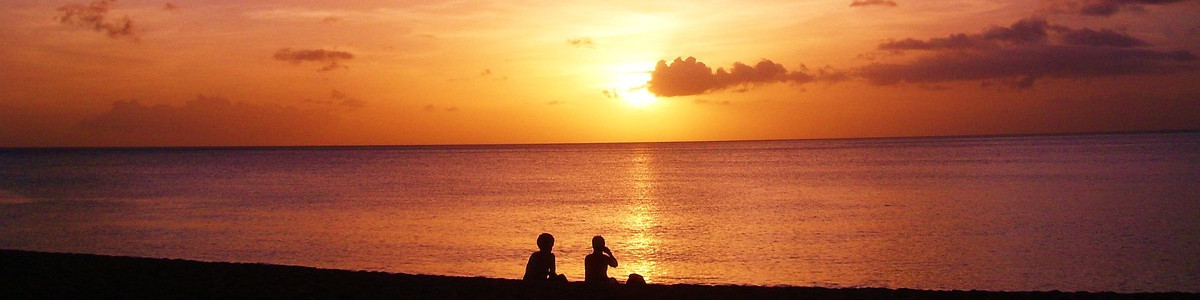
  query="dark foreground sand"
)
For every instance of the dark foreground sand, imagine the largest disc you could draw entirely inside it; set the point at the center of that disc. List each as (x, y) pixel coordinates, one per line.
(35, 275)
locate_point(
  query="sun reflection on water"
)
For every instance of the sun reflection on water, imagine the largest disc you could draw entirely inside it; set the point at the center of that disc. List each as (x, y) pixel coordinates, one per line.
(641, 243)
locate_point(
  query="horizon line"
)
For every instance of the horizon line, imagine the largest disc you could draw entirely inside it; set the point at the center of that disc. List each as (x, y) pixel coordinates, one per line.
(225, 147)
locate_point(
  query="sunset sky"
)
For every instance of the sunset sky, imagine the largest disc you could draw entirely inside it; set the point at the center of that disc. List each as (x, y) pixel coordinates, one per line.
(229, 73)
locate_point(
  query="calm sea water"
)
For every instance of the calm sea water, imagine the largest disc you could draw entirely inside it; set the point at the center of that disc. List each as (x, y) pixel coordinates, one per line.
(1092, 212)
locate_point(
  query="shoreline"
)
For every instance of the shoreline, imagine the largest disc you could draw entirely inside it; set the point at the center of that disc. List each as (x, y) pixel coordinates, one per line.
(42, 275)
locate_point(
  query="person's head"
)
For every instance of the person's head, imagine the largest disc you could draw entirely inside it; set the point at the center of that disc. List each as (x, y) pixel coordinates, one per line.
(598, 243)
(545, 242)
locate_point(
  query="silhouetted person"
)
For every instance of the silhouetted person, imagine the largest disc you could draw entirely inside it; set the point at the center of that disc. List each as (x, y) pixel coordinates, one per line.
(636, 279)
(595, 265)
(541, 263)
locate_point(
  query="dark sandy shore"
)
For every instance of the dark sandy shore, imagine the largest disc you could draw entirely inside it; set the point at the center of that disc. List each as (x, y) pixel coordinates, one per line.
(36, 275)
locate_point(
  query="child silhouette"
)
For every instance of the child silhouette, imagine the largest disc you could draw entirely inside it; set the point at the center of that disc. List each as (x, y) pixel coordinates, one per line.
(541, 263)
(595, 265)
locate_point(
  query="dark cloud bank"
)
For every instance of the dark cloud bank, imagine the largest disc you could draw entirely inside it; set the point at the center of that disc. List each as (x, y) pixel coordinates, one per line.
(332, 59)
(1102, 7)
(1017, 56)
(94, 16)
(206, 121)
(1023, 52)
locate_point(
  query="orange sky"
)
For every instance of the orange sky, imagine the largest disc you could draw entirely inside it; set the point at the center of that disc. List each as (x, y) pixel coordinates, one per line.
(228, 73)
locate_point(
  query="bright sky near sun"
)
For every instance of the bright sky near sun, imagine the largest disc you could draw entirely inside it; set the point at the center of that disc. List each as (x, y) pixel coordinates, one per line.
(208, 73)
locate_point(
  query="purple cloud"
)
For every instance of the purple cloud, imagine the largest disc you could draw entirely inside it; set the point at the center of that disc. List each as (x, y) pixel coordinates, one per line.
(1102, 8)
(1024, 52)
(1101, 38)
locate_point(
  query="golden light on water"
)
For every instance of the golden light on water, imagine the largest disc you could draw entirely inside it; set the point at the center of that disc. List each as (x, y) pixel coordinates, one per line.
(642, 224)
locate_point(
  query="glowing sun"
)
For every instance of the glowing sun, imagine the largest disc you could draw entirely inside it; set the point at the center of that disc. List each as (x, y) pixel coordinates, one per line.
(631, 87)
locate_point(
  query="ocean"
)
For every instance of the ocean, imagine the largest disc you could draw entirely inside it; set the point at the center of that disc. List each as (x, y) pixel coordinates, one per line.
(1103, 212)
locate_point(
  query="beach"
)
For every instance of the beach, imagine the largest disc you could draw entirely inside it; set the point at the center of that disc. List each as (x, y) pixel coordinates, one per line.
(41, 275)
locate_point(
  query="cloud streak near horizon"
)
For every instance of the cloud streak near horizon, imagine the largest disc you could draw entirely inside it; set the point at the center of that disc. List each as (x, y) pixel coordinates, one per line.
(206, 121)
(582, 42)
(330, 58)
(864, 3)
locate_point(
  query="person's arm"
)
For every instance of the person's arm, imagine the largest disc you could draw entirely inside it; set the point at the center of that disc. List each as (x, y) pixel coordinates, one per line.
(553, 272)
(612, 259)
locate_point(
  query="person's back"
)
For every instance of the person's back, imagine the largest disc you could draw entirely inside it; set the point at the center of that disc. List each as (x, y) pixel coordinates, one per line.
(595, 268)
(595, 265)
(541, 264)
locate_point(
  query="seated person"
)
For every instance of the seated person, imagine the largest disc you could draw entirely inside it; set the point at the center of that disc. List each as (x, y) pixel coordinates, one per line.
(595, 265)
(541, 263)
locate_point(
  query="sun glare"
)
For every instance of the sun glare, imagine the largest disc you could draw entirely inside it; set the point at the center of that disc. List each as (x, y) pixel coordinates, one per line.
(631, 87)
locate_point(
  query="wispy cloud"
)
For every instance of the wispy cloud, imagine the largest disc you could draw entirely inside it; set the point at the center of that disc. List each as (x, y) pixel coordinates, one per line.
(346, 100)
(339, 99)
(582, 42)
(95, 17)
(610, 93)
(331, 58)
(862, 3)
(434, 108)
(707, 101)
(485, 74)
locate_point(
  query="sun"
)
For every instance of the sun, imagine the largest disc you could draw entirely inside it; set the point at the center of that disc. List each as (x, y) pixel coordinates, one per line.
(631, 87)
(639, 98)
